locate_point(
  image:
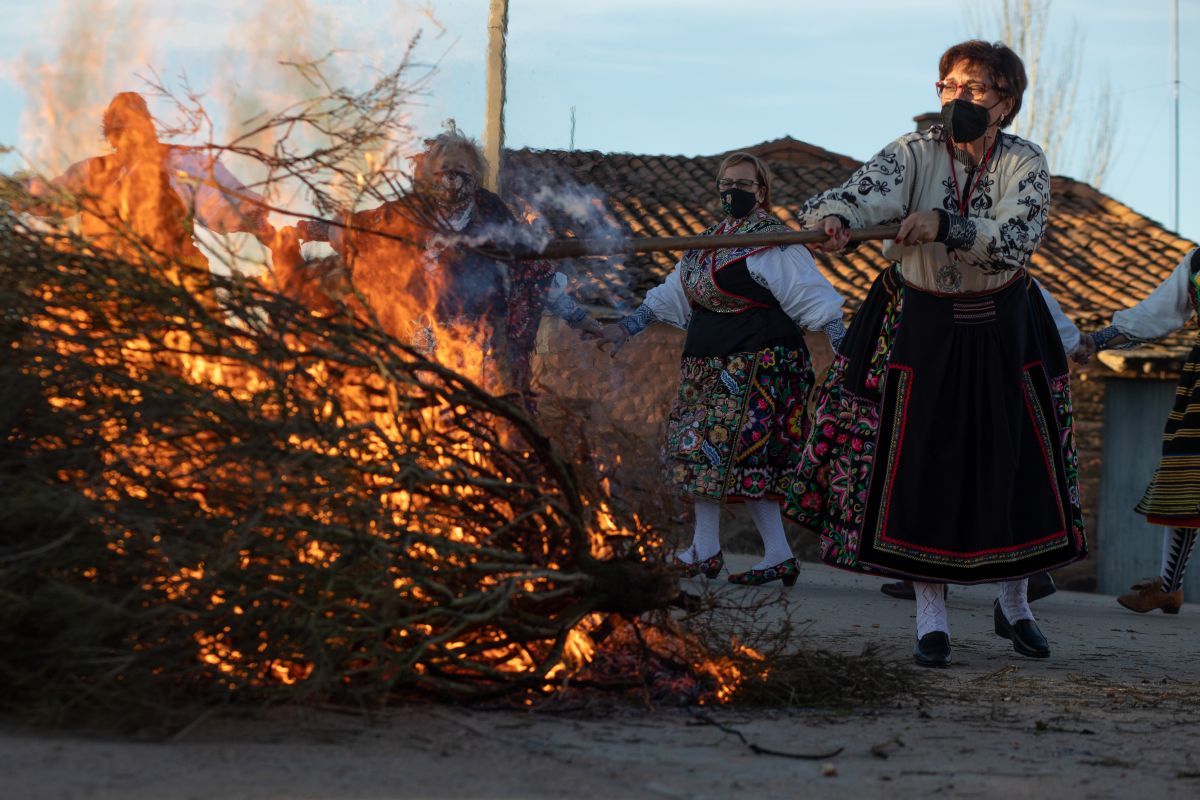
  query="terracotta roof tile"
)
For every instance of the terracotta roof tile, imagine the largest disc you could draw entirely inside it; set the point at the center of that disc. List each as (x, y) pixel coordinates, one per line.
(1097, 256)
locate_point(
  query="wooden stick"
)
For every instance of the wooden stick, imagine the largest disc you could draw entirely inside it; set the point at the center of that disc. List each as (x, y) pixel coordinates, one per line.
(578, 248)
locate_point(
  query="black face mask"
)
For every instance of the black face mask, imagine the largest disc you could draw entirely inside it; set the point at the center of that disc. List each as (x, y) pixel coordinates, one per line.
(738, 203)
(964, 121)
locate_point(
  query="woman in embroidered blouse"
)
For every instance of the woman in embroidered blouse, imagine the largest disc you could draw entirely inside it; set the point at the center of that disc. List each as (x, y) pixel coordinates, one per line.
(942, 447)
(1173, 497)
(736, 430)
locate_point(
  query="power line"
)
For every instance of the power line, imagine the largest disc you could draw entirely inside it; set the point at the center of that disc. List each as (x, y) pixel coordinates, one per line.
(1175, 89)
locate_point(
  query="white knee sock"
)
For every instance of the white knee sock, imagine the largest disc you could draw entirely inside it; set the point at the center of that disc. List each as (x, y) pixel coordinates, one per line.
(706, 542)
(931, 608)
(1014, 600)
(769, 521)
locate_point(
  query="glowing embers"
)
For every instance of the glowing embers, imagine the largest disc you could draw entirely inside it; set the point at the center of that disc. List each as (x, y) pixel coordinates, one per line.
(308, 503)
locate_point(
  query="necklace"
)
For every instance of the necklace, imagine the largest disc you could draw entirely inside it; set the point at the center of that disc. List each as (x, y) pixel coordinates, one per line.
(964, 202)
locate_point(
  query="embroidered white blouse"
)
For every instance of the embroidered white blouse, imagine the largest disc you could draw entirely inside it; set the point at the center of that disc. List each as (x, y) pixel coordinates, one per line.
(985, 240)
(790, 273)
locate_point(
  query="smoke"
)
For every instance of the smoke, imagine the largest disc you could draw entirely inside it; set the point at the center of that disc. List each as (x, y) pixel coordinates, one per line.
(555, 203)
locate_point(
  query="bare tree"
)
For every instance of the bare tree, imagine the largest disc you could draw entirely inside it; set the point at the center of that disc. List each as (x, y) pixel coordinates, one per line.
(1077, 138)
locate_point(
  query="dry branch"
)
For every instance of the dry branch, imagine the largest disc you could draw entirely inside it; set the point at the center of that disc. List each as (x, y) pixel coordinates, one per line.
(294, 507)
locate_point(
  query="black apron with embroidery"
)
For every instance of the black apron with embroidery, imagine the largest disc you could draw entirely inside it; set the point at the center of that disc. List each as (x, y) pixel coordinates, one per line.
(942, 445)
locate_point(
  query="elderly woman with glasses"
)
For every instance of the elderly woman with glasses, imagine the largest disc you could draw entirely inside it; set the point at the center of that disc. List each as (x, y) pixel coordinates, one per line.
(942, 448)
(735, 432)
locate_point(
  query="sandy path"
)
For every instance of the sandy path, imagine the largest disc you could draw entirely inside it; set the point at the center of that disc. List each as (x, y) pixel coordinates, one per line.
(1116, 710)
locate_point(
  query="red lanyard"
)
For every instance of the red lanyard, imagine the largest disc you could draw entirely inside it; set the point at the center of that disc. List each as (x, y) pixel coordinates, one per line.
(965, 203)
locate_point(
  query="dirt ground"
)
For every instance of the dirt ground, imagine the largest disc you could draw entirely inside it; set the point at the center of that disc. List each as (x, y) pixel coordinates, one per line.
(1115, 710)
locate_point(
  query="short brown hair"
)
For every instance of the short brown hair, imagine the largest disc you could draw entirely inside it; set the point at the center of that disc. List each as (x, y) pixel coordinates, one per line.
(761, 170)
(1006, 68)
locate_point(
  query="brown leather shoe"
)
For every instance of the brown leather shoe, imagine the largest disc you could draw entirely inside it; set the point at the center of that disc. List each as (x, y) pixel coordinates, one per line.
(1147, 595)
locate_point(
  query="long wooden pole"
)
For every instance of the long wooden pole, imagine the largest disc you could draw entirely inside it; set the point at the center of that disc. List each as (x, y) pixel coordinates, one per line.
(578, 248)
(493, 122)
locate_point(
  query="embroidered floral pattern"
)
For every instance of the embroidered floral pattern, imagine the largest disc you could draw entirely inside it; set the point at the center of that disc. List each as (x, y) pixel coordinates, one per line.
(698, 268)
(883, 346)
(879, 176)
(709, 568)
(739, 424)
(1018, 236)
(829, 493)
(961, 235)
(787, 572)
(1064, 412)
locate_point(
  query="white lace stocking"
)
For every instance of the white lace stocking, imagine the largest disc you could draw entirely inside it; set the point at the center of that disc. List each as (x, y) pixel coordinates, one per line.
(769, 521)
(1014, 600)
(706, 542)
(931, 608)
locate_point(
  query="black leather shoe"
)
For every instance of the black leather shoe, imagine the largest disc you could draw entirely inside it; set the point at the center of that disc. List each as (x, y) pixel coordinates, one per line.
(1041, 585)
(1025, 636)
(933, 650)
(903, 590)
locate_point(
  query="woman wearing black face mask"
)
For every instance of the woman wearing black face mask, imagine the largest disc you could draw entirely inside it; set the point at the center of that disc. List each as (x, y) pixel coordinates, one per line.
(736, 430)
(953, 375)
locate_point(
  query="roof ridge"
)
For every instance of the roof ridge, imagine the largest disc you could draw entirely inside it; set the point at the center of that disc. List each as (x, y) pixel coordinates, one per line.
(785, 140)
(1073, 187)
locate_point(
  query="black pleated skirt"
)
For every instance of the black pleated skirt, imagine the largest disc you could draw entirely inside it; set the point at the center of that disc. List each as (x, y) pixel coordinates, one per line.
(942, 445)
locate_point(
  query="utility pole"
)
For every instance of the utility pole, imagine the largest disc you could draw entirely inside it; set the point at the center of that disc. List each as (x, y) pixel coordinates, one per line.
(1175, 91)
(493, 121)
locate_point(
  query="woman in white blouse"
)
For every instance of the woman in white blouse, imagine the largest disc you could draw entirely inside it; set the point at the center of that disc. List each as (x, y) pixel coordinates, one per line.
(738, 426)
(942, 447)
(1173, 497)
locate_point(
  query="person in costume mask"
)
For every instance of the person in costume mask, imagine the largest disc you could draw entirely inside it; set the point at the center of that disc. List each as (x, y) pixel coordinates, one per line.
(460, 286)
(734, 434)
(942, 447)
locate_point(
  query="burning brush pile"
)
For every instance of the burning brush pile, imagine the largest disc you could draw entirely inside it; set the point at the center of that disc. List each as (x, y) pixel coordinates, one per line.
(213, 492)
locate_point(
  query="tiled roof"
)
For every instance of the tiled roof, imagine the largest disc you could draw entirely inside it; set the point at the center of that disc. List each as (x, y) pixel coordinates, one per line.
(1097, 256)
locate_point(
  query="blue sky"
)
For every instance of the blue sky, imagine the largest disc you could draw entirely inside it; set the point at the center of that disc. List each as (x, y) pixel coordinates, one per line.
(649, 76)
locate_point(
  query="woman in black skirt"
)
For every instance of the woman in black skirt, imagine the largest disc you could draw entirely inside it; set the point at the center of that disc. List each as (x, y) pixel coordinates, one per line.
(1173, 497)
(736, 432)
(942, 447)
